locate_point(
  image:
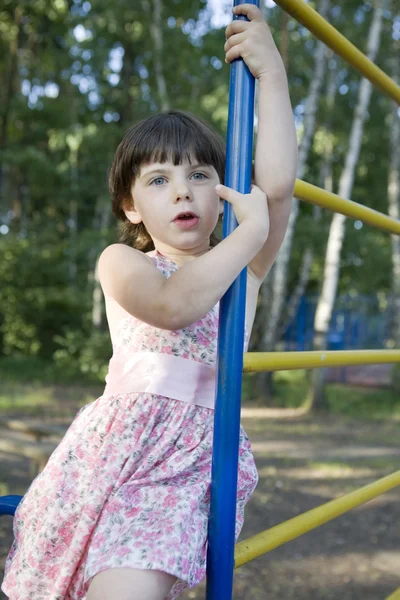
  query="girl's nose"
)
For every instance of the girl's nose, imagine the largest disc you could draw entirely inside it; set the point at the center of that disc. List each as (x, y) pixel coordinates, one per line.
(186, 196)
(182, 192)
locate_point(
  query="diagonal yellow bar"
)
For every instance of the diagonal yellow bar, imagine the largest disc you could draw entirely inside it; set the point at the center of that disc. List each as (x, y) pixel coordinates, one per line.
(285, 361)
(285, 532)
(307, 16)
(315, 195)
(395, 595)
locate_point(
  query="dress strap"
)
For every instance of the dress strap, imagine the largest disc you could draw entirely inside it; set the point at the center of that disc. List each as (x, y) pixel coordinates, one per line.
(164, 375)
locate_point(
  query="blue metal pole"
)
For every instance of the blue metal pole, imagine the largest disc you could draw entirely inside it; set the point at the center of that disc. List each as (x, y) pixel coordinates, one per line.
(9, 504)
(221, 532)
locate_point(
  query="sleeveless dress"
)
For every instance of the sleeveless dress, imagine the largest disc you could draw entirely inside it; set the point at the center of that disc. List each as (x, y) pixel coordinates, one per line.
(129, 483)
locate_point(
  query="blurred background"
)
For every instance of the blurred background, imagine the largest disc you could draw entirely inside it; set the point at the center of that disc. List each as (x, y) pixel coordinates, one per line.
(74, 75)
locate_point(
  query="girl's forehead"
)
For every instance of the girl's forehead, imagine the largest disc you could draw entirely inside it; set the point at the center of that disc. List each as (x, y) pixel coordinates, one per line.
(168, 165)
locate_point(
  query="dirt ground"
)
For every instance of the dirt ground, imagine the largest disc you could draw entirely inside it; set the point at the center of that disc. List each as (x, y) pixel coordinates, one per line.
(303, 462)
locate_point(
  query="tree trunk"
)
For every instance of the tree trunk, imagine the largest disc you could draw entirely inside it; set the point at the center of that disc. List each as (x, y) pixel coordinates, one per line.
(74, 140)
(156, 33)
(394, 211)
(337, 230)
(9, 87)
(327, 184)
(284, 46)
(272, 297)
(127, 105)
(282, 260)
(264, 383)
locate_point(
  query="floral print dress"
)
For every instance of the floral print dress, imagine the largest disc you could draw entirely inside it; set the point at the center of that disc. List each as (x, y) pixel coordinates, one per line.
(129, 483)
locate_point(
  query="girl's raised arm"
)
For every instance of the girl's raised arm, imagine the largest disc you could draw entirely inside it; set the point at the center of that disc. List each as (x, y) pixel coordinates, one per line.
(128, 276)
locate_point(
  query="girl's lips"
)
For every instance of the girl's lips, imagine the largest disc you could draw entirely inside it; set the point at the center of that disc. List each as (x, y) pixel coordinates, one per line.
(187, 223)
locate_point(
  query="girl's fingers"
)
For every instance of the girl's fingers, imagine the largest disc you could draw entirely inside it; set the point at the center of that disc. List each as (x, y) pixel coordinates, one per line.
(234, 40)
(251, 11)
(236, 27)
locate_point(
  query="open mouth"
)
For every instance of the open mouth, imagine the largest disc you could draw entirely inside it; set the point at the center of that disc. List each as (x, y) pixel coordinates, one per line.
(186, 216)
(186, 220)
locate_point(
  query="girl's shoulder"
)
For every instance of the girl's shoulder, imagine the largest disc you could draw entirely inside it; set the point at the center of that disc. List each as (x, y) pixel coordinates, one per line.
(136, 283)
(118, 250)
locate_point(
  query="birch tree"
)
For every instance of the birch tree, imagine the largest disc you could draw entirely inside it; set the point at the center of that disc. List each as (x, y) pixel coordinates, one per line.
(9, 85)
(337, 228)
(156, 33)
(273, 296)
(326, 182)
(394, 209)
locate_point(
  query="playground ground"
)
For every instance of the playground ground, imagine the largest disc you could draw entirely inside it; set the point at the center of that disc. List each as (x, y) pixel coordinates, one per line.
(303, 462)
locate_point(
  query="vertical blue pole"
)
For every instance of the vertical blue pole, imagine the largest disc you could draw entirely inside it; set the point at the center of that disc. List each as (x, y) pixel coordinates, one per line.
(221, 531)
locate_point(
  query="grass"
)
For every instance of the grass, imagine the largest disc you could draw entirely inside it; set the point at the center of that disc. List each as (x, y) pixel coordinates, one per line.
(4, 489)
(292, 389)
(24, 399)
(28, 387)
(35, 399)
(363, 403)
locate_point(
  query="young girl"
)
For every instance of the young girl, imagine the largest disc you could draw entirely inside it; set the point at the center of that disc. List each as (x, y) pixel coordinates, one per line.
(120, 511)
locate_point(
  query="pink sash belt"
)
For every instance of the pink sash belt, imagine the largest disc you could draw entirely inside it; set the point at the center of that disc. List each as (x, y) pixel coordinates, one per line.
(162, 374)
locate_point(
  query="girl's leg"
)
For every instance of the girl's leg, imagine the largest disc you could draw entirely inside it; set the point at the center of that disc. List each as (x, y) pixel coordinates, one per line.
(130, 584)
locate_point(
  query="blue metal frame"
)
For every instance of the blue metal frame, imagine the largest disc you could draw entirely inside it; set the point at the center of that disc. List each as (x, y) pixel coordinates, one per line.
(221, 532)
(8, 504)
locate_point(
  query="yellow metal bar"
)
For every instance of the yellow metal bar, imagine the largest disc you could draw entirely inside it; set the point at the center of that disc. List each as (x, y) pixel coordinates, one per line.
(285, 532)
(395, 595)
(285, 361)
(307, 16)
(315, 195)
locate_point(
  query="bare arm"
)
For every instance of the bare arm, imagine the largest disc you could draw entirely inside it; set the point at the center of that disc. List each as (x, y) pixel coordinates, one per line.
(128, 276)
(275, 164)
(197, 286)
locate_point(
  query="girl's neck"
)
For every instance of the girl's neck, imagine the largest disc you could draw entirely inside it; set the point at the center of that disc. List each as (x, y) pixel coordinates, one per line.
(179, 258)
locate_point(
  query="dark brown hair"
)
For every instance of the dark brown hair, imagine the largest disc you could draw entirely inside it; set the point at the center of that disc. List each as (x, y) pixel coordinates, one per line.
(174, 136)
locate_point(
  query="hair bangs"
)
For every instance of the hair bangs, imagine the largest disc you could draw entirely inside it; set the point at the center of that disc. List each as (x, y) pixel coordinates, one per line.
(175, 138)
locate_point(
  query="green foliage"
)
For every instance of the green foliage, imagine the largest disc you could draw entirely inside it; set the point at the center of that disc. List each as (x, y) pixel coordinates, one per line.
(35, 303)
(31, 370)
(79, 356)
(65, 106)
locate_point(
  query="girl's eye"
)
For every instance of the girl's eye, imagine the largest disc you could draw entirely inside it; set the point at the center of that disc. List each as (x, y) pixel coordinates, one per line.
(203, 175)
(156, 179)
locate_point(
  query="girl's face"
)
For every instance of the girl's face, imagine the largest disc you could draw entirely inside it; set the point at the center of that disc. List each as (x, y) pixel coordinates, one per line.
(162, 191)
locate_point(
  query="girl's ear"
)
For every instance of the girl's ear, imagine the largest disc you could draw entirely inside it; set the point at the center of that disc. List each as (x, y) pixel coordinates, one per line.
(128, 206)
(221, 206)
